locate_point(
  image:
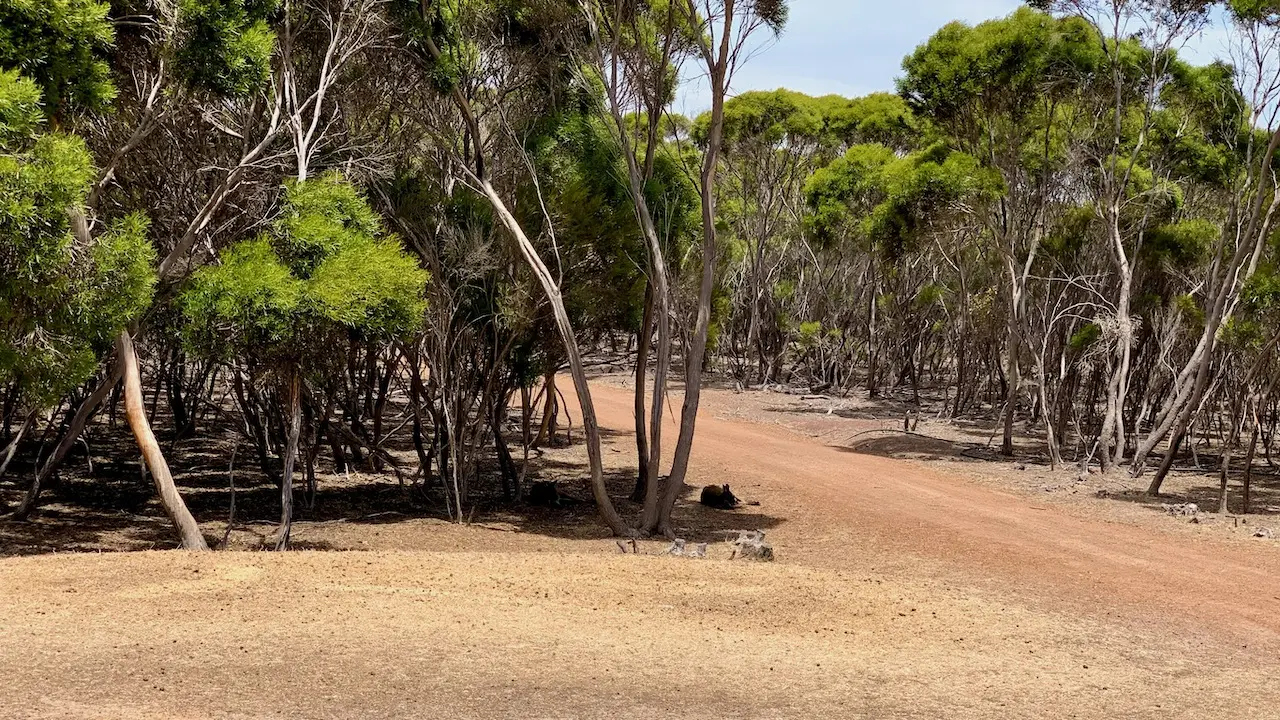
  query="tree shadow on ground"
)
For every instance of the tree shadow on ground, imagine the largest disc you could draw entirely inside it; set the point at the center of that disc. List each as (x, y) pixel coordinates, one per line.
(112, 506)
(578, 519)
(1264, 493)
(900, 445)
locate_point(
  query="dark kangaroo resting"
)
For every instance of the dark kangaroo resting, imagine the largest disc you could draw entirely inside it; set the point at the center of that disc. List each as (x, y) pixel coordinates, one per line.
(719, 497)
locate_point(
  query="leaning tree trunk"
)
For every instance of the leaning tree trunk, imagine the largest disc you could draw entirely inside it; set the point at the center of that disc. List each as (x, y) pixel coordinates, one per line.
(68, 441)
(12, 450)
(135, 414)
(577, 371)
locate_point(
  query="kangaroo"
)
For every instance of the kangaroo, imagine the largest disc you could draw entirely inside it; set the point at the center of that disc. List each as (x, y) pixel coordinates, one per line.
(719, 497)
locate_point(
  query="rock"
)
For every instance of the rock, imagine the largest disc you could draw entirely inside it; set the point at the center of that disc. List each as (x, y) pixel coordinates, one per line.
(1263, 532)
(680, 548)
(750, 545)
(1181, 509)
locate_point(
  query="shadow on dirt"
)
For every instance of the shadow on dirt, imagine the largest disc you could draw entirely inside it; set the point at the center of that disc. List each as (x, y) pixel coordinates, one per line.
(1264, 494)
(102, 502)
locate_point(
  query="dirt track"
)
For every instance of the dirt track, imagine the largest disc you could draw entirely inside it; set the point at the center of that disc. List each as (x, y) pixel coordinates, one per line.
(899, 593)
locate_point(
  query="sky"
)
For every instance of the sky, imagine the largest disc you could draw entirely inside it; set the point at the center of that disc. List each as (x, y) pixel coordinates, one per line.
(855, 47)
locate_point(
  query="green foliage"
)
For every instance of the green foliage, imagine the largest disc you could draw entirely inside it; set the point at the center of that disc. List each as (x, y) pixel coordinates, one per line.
(59, 45)
(225, 46)
(929, 295)
(1261, 294)
(599, 240)
(1069, 233)
(1263, 11)
(1201, 122)
(36, 190)
(326, 269)
(964, 76)
(454, 25)
(1085, 338)
(123, 280)
(882, 118)
(20, 113)
(809, 334)
(766, 118)
(846, 190)
(371, 287)
(1182, 245)
(249, 300)
(774, 13)
(318, 219)
(61, 301)
(787, 118)
(891, 200)
(1190, 310)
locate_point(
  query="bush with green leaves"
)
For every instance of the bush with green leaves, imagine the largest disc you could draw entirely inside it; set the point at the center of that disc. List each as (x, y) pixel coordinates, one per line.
(58, 44)
(225, 46)
(62, 297)
(326, 270)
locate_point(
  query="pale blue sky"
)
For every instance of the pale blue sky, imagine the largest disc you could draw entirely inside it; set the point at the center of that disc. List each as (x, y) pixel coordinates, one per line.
(854, 47)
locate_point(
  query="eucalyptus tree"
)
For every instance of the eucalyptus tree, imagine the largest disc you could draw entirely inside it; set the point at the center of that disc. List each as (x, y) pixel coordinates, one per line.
(771, 147)
(1007, 92)
(1240, 250)
(1138, 41)
(325, 271)
(64, 292)
(488, 61)
(635, 55)
(724, 28)
(899, 211)
(64, 43)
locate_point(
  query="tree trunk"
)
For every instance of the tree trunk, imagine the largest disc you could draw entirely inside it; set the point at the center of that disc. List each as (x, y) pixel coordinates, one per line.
(12, 450)
(506, 465)
(290, 459)
(643, 338)
(1248, 468)
(578, 372)
(68, 441)
(135, 415)
(1224, 475)
(698, 343)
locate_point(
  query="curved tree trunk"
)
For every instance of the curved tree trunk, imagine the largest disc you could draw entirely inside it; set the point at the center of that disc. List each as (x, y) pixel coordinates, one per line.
(576, 369)
(135, 414)
(68, 441)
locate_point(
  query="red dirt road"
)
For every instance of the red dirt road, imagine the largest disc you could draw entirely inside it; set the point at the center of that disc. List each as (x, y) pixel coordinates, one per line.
(884, 506)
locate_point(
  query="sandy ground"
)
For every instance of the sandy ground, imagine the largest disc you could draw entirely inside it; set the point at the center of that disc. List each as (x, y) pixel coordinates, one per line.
(899, 592)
